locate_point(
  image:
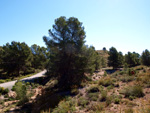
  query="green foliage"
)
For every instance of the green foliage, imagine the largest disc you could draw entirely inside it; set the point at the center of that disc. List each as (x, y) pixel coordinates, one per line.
(107, 81)
(97, 108)
(126, 78)
(68, 60)
(74, 91)
(103, 96)
(3, 91)
(145, 58)
(93, 96)
(105, 73)
(65, 107)
(109, 100)
(40, 56)
(2, 81)
(93, 89)
(117, 101)
(21, 92)
(135, 91)
(82, 102)
(129, 110)
(16, 57)
(132, 59)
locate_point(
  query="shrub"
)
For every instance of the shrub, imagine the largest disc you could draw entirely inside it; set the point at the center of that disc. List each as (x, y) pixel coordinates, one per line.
(110, 87)
(131, 97)
(108, 100)
(3, 90)
(105, 74)
(93, 96)
(106, 81)
(2, 81)
(82, 102)
(116, 85)
(135, 91)
(121, 72)
(74, 91)
(103, 96)
(97, 107)
(21, 92)
(117, 101)
(127, 78)
(65, 107)
(129, 110)
(93, 89)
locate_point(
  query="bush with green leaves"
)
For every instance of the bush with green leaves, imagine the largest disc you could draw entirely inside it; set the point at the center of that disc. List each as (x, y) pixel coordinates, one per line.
(107, 81)
(21, 92)
(93, 89)
(82, 101)
(2, 81)
(109, 100)
(74, 91)
(67, 106)
(103, 96)
(3, 91)
(126, 78)
(116, 100)
(93, 96)
(135, 91)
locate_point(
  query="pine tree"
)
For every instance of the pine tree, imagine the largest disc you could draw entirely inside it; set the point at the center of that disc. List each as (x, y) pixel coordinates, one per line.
(65, 46)
(145, 58)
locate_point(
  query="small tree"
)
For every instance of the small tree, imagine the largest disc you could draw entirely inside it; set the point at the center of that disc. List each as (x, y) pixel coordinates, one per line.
(113, 58)
(65, 46)
(21, 92)
(145, 58)
(40, 56)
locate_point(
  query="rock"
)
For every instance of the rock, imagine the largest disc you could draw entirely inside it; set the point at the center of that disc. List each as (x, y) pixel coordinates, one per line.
(1, 97)
(12, 94)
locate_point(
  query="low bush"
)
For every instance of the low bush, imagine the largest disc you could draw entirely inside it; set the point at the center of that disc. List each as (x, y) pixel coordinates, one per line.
(126, 78)
(2, 81)
(93, 89)
(116, 100)
(67, 106)
(3, 91)
(107, 81)
(74, 91)
(109, 100)
(21, 92)
(97, 108)
(135, 91)
(103, 96)
(105, 74)
(93, 96)
(129, 110)
(82, 102)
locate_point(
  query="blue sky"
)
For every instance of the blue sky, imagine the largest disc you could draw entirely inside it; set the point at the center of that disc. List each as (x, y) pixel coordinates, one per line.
(124, 24)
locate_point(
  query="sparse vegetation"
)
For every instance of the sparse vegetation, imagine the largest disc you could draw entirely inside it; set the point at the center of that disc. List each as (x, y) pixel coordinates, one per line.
(78, 77)
(135, 91)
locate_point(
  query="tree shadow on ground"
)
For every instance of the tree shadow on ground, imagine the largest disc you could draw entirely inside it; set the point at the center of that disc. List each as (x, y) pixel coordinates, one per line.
(110, 71)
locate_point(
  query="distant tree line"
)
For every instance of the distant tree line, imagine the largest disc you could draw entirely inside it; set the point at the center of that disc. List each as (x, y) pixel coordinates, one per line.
(117, 59)
(18, 58)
